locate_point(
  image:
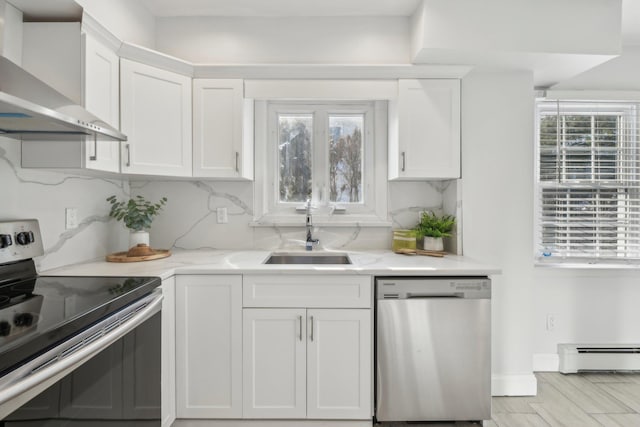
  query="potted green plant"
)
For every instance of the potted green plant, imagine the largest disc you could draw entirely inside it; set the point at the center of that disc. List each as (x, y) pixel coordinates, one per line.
(432, 228)
(137, 214)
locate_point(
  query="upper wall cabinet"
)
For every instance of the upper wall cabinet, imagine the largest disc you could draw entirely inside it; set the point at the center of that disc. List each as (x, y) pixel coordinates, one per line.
(222, 129)
(155, 107)
(85, 69)
(424, 130)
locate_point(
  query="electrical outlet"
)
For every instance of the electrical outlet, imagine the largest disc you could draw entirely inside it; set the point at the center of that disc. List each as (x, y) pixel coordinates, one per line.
(71, 218)
(222, 217)
(551, 322)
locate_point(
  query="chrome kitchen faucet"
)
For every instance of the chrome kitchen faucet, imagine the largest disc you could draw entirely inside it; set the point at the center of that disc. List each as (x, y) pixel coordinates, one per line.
(309, 225)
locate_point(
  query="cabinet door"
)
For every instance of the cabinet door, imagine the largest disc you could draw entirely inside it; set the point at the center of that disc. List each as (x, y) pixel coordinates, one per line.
(209, 346)
(274, 359)
(427, 145)
(155, 113)
(221, 138)
(339, 364)
(101, 95)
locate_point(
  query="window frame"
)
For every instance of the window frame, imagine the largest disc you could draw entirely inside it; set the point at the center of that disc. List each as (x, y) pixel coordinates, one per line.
(627, 113)
(268, 208)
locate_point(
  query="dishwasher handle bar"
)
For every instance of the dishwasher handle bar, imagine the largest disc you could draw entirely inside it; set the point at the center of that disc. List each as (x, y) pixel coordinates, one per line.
(411, 295)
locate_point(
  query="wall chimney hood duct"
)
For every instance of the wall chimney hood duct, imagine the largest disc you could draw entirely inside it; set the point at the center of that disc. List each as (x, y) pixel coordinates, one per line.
(29, 108)
(33, 110)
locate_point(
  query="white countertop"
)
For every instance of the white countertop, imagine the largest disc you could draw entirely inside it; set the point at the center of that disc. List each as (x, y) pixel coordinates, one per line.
(378, 263)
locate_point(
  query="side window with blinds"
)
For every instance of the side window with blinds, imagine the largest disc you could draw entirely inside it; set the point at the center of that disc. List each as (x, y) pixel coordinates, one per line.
(588, 181)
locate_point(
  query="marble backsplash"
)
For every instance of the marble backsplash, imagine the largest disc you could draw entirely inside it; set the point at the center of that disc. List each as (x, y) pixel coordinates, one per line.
(44, 195)
(189, 218)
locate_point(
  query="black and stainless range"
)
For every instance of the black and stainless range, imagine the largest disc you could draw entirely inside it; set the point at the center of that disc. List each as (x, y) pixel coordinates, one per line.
(74, 350)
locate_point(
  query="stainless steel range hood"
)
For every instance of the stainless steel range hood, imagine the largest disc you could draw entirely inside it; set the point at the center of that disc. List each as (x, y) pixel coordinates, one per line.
(31, 109)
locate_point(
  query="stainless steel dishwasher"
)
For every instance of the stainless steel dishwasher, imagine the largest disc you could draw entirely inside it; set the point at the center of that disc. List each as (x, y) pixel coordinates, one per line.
(433, 349)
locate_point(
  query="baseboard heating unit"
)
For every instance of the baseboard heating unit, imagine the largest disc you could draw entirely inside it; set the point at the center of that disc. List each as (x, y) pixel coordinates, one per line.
(598, 357)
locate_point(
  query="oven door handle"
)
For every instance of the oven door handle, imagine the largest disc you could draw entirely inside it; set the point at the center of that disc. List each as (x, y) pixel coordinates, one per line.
(42, 373)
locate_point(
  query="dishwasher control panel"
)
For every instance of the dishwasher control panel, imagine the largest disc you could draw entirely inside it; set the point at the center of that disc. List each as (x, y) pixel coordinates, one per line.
(432, 287)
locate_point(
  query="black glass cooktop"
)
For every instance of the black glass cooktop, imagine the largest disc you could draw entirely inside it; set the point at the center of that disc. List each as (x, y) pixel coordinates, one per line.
(37, 313)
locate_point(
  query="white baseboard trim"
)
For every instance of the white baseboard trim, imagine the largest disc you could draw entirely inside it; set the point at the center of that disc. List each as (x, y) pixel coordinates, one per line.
(546, 362)
(514, 385)
(271, 423)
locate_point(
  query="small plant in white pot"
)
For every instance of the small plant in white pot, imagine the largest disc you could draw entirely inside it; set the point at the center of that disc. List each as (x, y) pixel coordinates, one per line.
(432, 228)
(137, 215)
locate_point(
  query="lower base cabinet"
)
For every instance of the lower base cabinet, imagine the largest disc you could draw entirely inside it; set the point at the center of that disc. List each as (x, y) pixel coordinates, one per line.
(307, 363)
(209, 346)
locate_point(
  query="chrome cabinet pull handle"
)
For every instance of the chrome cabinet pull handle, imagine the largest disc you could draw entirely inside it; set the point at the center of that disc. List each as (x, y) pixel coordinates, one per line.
(300, 325)
(311, 328)
(403, 161)
(95, 148)
(237, 156)
(128, 155)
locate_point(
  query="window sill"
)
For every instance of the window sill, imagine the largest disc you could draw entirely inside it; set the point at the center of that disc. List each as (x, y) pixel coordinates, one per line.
(334, 221)
(584, 264)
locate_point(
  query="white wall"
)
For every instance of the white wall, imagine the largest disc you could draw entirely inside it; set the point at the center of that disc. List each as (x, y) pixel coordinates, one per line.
(128, 20)
(497, 212)
(590, 306)
(44, 195)
(331, 40)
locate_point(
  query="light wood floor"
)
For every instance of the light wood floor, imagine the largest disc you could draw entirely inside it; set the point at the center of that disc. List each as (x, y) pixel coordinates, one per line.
(576, 400)
(580, 400)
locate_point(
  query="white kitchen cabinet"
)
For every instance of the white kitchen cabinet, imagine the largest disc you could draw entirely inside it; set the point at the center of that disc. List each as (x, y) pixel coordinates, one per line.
(222, 129)
(339, 364)
(306, 291)
(424, 130)
(307, 363)
(274, 354)
(101, 95)
(155, 112)
(84, 67)
(312, 361)
(209, 346)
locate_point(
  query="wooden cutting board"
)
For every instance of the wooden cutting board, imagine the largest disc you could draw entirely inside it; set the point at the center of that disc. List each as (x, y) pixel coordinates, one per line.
(123, 257)
(407, 251)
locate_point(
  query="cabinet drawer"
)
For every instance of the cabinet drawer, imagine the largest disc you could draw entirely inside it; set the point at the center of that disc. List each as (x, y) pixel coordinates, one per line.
(306, 291)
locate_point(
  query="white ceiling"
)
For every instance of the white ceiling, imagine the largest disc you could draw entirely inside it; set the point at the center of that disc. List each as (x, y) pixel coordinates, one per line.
(273, 8)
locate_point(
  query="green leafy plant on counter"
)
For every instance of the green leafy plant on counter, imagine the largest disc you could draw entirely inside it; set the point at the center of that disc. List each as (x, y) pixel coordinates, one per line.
(136, 213)
(432, 225)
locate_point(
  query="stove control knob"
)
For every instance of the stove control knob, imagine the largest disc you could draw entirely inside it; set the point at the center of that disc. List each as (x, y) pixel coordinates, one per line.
(22, 238)
(5, 328)
(24, 319)
(5, 240)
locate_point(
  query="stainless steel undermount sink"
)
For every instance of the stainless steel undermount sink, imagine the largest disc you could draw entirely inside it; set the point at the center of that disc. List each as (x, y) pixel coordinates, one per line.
(312, 258)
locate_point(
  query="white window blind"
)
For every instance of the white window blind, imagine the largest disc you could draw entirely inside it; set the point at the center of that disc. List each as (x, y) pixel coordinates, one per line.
(588, 180)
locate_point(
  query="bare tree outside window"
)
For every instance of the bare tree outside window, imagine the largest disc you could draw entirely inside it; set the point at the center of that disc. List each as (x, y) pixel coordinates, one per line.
(345, 158)
(295, 152)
